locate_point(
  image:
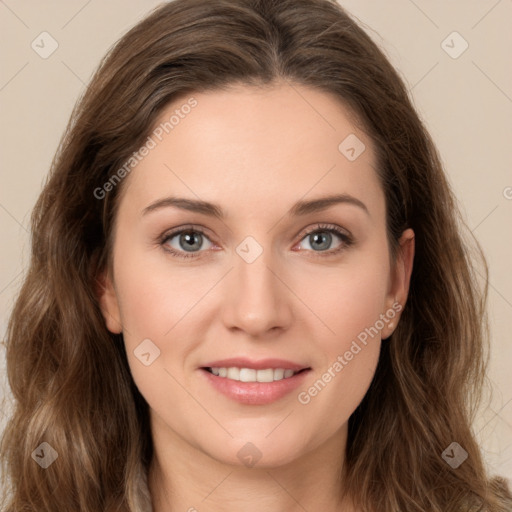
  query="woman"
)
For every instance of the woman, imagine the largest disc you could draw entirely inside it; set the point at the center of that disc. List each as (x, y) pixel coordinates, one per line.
(251, 371)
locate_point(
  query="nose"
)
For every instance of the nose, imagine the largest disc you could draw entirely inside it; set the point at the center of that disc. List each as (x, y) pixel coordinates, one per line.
(257, 299)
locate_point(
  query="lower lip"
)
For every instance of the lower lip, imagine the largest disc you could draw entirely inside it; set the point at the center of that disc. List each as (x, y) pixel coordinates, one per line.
(255, 393)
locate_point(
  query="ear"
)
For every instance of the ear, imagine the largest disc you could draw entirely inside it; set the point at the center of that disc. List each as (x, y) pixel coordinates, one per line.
(400, 279)
(108, 302)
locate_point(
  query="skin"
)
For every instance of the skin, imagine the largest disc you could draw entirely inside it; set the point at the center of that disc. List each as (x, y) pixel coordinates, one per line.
(255, 152)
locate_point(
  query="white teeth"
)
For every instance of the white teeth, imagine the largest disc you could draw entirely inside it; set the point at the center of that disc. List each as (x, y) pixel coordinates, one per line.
(265, 375)
(247, 375)
(234, 373)
(278, 374)
(251, 375)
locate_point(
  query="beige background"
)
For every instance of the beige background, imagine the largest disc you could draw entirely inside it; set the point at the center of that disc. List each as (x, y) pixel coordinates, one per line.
(466, 103)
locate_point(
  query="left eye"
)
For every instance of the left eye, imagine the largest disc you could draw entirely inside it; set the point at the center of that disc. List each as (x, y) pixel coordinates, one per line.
(191, 241)
(322, 238)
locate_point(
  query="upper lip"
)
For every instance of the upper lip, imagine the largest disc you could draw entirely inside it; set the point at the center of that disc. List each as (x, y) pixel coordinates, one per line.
(261, 364)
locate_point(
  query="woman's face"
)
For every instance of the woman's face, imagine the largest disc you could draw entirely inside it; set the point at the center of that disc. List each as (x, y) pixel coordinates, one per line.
(263, 281)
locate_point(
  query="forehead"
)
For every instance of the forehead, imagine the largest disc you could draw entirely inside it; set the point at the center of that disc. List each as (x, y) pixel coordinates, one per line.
(250, 148)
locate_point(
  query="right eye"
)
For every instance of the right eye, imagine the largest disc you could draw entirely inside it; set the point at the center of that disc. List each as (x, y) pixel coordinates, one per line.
(186, 238)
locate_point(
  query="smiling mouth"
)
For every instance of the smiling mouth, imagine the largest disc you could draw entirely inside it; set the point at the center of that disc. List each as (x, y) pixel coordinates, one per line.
(252, 375)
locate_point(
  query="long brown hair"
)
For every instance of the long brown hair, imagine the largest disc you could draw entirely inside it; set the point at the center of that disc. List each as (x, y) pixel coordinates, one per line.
(69, 375)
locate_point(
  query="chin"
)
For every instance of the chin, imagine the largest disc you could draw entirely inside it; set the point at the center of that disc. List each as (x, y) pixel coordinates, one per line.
(256, 452)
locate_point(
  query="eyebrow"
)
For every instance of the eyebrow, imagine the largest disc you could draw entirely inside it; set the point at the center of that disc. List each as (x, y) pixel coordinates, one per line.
(300, 208)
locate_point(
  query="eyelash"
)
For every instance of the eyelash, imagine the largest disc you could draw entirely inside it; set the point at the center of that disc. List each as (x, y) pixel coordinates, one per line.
(320, 228)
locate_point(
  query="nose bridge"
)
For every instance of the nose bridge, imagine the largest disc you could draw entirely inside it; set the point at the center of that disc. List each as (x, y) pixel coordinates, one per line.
(257, 299)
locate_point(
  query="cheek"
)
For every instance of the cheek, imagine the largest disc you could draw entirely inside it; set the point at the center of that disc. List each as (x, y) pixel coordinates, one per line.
(154, 307)
(350, 304)
(349, 300)
(335, 393)
(350, 350)
(155, 295)
(160, 302)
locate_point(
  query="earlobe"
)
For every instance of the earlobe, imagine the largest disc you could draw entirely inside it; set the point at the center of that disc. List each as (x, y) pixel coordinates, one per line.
(109, 305)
